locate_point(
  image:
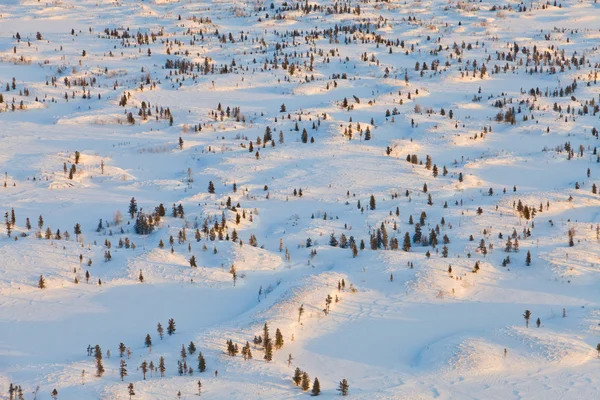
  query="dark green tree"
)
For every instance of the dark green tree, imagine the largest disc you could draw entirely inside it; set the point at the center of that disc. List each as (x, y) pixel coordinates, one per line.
(123, 370)
(132, 207)
(161, 366)
(171, 327)
(305, 384)
(130, 390)
(406, 244)
(343, 387)
(191, 348)
(316, 390)
(144, 368)
(201, 362)
(278, 339)
(527, 316)
(297, 376)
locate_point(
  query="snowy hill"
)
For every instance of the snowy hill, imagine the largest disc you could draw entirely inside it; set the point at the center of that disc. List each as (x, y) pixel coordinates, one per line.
(403, 194)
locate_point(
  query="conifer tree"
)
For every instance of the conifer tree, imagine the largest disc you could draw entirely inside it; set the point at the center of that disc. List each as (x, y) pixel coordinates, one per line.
(527, 316)
(160, 330)
(278, 339)
(148, 341)
(123, 370)
(316, 390)
(297, 376)
(161, 366)
(343, 387)
(332, 240)
(372, 204)
(8, 224)
(171, 327)
(144, 368)
(132, 207)
(183, 352)
(268, 351)
(201, 362)
(300, 311)
(77, 230)
(528, 259)
(130, 390)
(191, 348)
(406, 244)
(99, 365)
(305, 382)
(41, 282)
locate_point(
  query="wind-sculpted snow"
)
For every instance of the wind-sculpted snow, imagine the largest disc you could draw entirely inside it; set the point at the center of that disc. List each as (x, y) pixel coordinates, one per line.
(403, 194)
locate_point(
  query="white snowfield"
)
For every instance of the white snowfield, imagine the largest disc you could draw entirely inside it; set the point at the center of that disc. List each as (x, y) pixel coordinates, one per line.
(418, 177)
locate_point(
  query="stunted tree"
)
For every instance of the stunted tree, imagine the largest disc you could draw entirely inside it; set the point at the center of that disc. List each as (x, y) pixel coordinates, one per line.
(528, 258)
(343, 387)
(130, 390)
(297, 377)
(300, 311)
(305, 382)
(278, 339)
(41, 282)
(132, 207)
(77, 231)
(160, 330)
(406, 245)
(268, 351)
(8, 224)
(201, 362)
(211, 187)
(316, 390)
(99, 365)
(183, 352)
(144, 368)
(527, 316)
(171, 327)
(148, 341)
(191, 348)
(161, 366)
(123, 369)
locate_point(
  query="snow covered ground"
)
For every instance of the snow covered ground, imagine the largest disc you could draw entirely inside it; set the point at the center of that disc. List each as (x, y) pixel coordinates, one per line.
(465, 124)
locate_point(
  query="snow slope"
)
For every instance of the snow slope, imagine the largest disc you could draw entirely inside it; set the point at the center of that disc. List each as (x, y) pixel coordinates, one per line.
(416, 324)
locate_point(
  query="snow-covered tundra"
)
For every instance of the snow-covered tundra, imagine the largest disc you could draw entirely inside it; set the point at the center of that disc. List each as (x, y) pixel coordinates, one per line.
(271, 200)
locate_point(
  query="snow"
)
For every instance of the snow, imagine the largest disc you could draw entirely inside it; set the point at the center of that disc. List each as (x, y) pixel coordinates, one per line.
(404, 326)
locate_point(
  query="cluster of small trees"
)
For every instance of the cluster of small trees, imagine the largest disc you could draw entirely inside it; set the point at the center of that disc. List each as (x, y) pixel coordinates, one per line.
(302, 380)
